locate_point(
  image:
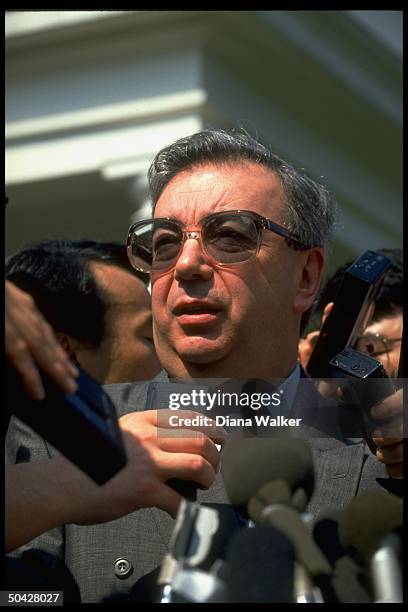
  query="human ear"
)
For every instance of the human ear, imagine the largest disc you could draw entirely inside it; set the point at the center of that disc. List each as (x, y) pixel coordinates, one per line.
(70, 346)
(309, 277)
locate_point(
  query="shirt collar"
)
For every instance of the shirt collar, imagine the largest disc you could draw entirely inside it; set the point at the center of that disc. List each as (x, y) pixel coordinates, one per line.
(288, 389)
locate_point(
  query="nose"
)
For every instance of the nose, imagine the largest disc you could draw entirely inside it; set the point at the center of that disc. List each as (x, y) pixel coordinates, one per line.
(193, 263)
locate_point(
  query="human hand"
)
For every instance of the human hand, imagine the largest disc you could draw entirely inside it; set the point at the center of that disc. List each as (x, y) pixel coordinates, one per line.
(156, 453)
(31, 344)
(306, 345)
(41, 495)
(390, 449)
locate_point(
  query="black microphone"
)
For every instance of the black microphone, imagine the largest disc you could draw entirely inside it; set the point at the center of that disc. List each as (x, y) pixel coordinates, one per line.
(369, 528)
(346, 584)
(198, 541)
(186, 488)
(326, 536)
(272, 480)
(259, 567)
(311, 563)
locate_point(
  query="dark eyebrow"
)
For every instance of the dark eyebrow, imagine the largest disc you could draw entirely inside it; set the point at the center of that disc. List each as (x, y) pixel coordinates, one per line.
(167, 219)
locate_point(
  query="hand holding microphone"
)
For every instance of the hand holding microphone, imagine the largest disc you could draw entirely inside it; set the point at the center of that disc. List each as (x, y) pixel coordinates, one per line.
(188, 454)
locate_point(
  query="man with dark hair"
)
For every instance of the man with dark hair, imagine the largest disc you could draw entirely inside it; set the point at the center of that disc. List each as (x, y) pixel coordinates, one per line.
(236, 251)
(96, 303)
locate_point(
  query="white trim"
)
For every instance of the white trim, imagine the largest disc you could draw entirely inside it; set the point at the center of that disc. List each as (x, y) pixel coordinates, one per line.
(93, 152)
(108, 115)
(21, 23)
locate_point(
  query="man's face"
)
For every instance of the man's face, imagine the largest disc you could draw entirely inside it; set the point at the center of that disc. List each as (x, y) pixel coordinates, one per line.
(126, 352)
(237, 320)
(380, 339)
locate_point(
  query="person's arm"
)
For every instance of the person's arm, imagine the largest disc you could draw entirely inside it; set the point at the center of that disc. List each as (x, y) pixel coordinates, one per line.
(39, 496)
(32, 345)
(43, 494)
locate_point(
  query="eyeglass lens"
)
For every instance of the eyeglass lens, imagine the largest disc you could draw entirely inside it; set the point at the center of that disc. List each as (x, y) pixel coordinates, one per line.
(227, 238)
(373, 344)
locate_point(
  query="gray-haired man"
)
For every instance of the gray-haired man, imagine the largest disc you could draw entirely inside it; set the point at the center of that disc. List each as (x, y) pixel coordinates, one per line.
(236, 252)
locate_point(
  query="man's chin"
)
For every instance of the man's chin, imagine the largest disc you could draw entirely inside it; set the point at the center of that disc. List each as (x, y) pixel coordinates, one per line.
(203, 352)
(204, 357)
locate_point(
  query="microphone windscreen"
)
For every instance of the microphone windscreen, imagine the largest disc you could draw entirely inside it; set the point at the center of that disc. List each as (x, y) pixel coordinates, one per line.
(250, 463)
(367, 520)
(326, 536)
(260, 566)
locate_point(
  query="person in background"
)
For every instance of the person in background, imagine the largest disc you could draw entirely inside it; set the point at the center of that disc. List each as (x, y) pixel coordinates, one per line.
(98, 306)
(381, 338)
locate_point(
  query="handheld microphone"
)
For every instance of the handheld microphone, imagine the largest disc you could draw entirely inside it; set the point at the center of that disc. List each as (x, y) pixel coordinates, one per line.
(249, 463)
(326, 536)
(310, 561)
(197, 543)
(369, 528)
(260, 566)
(349, 582)
(273, 480)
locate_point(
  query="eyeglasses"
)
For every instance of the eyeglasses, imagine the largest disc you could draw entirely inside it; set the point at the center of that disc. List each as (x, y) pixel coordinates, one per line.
(375, 344)
(228, 238)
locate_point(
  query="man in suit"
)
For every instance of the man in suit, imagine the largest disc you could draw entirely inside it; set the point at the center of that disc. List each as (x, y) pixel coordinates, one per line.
(236, 250)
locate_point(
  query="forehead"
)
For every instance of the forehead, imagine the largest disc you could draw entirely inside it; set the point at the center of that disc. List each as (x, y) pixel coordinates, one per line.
(208, 188)
(389, 327)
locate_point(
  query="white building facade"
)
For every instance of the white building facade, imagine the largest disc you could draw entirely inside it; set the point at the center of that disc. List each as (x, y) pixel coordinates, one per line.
(91, 96)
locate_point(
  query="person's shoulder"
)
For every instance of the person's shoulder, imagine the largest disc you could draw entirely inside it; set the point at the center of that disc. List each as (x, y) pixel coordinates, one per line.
(131, 396)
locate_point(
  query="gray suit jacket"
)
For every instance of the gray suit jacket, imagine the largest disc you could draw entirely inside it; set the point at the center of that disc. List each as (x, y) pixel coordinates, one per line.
(343, 468)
